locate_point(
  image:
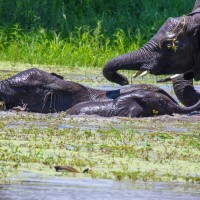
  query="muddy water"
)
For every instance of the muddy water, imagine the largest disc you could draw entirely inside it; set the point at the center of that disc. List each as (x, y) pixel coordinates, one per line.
(37, 188)
(34, 187)
(95, 121)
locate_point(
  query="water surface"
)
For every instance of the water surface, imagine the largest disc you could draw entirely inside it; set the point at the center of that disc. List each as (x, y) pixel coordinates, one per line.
(37, 188)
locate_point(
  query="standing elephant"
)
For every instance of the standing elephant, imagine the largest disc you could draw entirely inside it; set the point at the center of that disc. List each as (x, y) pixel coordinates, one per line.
(174, 49)
(39, 91)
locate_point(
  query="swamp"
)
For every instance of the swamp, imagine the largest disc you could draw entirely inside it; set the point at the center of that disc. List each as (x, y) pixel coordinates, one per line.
(141, 153)
(107, 158)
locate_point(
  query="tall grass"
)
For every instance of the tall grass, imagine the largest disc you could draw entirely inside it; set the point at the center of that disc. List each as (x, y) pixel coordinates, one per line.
(80, 32)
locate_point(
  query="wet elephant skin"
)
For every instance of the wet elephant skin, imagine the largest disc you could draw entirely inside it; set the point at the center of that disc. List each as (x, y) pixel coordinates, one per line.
(38, 91)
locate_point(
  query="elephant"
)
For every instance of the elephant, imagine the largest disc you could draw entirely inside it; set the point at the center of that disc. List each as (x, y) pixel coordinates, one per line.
(174, 49)
(185, 91)
(140, 103)
(38, 91)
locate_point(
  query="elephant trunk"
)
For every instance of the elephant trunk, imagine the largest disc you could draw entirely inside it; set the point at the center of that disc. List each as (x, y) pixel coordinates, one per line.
(141, 59)
(186, 92)
(186, 110)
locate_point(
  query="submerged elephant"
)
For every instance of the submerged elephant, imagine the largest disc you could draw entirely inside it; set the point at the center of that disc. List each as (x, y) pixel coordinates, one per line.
(174, 49)
(140, 103)
(39, 91)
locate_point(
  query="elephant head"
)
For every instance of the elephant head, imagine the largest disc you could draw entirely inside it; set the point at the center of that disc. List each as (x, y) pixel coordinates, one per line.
(175, 48)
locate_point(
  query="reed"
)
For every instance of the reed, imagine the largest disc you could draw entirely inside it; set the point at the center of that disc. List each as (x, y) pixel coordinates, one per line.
(79, 33)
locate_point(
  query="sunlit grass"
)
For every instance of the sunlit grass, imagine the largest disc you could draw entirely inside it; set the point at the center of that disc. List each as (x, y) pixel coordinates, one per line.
(83, 48)
(80, 33)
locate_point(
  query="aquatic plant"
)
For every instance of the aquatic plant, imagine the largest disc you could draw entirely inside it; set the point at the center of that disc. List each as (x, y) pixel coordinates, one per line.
(121, 149)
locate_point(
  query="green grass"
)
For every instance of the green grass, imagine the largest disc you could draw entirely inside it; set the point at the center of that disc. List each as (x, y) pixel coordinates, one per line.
(83, 48)
(80, 33)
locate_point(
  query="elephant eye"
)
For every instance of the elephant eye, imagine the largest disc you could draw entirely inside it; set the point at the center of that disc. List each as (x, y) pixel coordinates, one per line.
(162, 101)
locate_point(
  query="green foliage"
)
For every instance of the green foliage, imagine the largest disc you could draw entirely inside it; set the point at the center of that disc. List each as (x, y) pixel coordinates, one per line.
(65, 15)
(79, 32)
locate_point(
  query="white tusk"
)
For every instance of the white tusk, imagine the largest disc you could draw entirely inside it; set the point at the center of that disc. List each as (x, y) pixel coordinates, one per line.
(144, 74)
(176, 76)
(140, 74)
(171, 78)
(137, 74)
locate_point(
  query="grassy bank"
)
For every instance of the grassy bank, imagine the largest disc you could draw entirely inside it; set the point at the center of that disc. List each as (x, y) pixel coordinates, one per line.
(80, 33)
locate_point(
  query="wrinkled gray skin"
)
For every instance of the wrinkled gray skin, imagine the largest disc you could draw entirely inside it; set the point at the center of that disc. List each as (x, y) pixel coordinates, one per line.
(140, 103)
(185, 91)
(39, 91)
(174, 49)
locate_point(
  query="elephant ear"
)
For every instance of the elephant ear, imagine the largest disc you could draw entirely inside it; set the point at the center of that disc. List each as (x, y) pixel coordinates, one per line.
(194, 28)
(57, 75)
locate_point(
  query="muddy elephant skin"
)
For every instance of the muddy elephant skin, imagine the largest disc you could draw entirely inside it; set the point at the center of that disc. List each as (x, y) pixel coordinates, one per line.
(185, 91)
(38, 91)
(42, 92)
(143, 102)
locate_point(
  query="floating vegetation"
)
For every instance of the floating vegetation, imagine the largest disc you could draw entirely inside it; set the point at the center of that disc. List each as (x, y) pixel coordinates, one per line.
(165, 148)
(115, 148)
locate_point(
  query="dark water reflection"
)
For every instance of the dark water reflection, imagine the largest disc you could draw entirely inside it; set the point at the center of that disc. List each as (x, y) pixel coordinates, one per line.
(35, 188)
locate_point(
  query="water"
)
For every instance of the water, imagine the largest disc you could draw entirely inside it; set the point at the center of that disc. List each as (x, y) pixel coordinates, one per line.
(94, 124)
(34, 187)
(37, 188)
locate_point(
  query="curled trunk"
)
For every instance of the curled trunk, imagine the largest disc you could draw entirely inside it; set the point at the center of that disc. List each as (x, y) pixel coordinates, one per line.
(185, 91)
(187, 110)
(141, 59)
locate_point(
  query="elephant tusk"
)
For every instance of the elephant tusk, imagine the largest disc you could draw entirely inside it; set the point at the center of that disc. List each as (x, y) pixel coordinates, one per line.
(176, 76)
(171, 78)
(144, 74)
(140, 74)
(137, 74)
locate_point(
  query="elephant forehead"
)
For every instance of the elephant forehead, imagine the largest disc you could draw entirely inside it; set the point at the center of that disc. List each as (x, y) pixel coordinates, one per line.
(174, 24)
(195, 20)
(171, 27)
